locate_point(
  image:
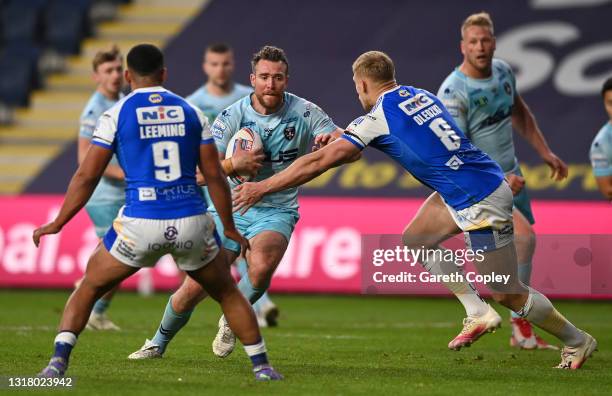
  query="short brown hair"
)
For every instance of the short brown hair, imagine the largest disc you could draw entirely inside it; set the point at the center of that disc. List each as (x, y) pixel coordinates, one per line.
(104, 56)
(375, 65)
(269, 53)
(218, 48)
(479, 19)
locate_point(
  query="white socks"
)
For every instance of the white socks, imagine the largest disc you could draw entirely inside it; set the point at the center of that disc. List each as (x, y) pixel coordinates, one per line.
(474, 305)
(539, 310)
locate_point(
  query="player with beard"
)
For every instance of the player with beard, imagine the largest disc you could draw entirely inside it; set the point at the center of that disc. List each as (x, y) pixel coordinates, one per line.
(287, 125)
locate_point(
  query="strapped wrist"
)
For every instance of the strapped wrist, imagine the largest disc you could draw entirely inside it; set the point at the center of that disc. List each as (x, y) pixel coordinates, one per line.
(228, 167)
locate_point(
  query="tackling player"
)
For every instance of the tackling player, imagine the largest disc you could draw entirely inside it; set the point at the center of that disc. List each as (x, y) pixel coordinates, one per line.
(481, 96)
(109, 195)
(287, 125)
(159, 139)
(413, 127)
(601, 148)
(219, 92)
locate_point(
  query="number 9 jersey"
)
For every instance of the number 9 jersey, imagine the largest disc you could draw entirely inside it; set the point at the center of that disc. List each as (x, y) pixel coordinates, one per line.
(156, 136)
(413, 127)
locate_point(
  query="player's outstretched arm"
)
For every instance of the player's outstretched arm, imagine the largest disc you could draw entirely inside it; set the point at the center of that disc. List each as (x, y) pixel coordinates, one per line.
(81, 187)
(299, 172)
(525, 123)
(219, 190)
(324, 139)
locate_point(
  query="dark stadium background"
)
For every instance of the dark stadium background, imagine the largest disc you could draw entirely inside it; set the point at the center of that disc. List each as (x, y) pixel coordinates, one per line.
(322, 38)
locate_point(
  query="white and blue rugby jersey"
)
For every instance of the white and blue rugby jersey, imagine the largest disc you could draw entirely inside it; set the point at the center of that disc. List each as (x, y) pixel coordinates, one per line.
(212, 105)
(412, 126)
(601, 152)
(109, 190)
(482, 109)
(286, 135)
(156, 136)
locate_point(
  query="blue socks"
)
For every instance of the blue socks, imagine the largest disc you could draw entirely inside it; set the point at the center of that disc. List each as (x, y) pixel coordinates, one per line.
(101, 306)
(171, 323)
(248, 289)
(524, 275)
(64, 342)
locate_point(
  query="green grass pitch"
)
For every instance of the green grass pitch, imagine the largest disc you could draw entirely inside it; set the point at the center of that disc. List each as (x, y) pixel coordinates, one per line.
(325, 345)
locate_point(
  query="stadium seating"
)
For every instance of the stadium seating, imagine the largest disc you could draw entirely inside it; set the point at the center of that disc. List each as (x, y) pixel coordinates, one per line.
(31, 29)
(48, 69)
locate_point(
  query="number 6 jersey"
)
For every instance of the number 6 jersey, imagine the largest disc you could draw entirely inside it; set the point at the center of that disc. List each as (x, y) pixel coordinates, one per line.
(156, 136)
(413, 127)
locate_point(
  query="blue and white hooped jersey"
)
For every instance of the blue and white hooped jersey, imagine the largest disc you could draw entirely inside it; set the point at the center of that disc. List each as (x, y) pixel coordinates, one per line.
(212, 105)
(601, 152)
(482, 108)
(156, 136)
(413, 127)
(108, 191)
(286, 135)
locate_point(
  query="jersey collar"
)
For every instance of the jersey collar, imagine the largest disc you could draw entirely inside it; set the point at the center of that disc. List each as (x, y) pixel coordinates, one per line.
(150, 89)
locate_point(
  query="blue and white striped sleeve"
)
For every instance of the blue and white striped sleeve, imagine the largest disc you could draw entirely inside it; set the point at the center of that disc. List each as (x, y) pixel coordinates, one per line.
(105, 132)
(367, 128)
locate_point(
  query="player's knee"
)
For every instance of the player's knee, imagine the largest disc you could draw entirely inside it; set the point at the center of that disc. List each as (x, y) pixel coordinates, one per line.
(417, 241)
(94, 286)
(261, 268)
(260, 279)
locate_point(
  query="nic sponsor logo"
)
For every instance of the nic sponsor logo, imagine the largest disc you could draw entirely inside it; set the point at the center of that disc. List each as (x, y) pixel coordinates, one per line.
(160, 115)
(416, 104)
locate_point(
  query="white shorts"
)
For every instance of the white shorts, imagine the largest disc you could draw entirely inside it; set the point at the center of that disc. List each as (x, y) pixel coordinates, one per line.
(487, 225)
(192, 241)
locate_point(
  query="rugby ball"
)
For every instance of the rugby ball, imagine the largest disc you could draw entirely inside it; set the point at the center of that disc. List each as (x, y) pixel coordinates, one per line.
(248, 140)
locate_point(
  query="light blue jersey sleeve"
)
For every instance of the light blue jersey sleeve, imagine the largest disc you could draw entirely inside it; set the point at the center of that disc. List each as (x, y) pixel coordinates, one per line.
(601, 152)
(89, 118)
(225, 126)
(318, 121)
(508, 69)
(453, 95)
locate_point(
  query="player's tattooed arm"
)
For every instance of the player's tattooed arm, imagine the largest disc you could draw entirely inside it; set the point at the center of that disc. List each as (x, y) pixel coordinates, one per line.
(80, 189)
(525, 123)
(299, 172)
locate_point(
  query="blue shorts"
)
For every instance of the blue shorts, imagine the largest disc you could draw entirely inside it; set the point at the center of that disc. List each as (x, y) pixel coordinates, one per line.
(257, 220)
(103, 215)
(522, 202)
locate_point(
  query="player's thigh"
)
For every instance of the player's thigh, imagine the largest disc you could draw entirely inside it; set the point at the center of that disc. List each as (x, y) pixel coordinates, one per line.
(431, 225)
(269, 232)
(215, 277)
(267, 250)
(105, 271)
